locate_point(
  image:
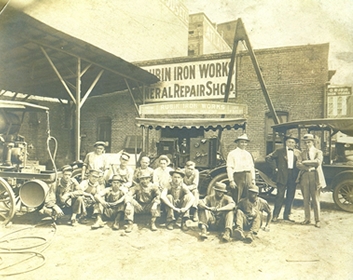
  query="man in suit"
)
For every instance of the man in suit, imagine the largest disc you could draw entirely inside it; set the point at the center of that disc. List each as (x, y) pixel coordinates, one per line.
(283, 162)
(311, 178)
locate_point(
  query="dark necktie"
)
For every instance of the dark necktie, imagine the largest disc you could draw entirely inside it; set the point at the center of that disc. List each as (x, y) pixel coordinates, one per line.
(289, 149)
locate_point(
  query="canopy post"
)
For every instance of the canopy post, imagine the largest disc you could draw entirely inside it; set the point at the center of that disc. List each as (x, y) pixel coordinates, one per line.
(78, 112)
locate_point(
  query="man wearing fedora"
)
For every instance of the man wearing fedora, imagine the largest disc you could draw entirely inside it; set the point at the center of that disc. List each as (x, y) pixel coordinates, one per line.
(161, 175)
(311, 178)
(283, 163)
(177, 199)
(249, 215)
(69, 193)
(217, 211)
(112, 201)
(145, 198)
(240, 169)
(95, 160)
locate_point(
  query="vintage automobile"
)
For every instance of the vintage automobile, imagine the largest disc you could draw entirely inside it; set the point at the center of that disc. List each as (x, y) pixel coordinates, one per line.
(22, 182)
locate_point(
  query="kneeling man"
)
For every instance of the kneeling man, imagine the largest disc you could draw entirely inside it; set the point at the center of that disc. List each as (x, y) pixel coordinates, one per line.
(145, 199)
(217, 211)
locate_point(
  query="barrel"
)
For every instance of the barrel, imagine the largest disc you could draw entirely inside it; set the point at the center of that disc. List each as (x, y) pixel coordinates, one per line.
(33, 193)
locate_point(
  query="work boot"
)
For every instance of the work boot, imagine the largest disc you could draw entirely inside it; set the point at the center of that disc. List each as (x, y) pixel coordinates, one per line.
(249, 238)
(129, 227)
(73, 222)
(226, 235)
(239, 234)
(203, 233)
(184, 226)
(98, 224)
(196, 216)
(153, 224)
(170, 225)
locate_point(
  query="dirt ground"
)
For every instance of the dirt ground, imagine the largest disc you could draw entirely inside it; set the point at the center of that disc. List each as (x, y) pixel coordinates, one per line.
(287, 251)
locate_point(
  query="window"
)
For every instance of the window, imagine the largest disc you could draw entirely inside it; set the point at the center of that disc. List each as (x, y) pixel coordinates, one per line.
(104, 131)
(132, 141)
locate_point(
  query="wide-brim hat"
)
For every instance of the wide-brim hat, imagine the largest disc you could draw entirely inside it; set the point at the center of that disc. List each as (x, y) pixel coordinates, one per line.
(116, 178)
(96, 173)
(308, 137)
(253, 188)
(99, 143)
(125, 156)
(290, 136)
(66, 168)
(144, 175)
(242, 137)
(221, 187)
(165, 158)
(178, 171)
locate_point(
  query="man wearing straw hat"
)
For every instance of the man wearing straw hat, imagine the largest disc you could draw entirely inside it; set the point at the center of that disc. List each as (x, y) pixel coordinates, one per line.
(217, 211)
(161, 175)
(240, 169)
(177, 199)
(145, 198)
(95, 160)
(311, 178)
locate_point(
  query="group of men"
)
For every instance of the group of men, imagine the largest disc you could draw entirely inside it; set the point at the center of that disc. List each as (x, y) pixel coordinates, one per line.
(117, 192)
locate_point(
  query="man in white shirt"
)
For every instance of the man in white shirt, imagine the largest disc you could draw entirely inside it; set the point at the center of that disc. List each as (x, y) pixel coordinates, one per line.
(161, 175)
(95, 160)
(240, 169)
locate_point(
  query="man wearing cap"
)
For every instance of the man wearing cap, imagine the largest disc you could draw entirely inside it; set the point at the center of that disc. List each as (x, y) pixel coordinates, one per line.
(177, 199)
(69, 193)
(95, 160)
(249, 215)
(143, 168)
(161, 175)
(145, 198)
(311, 178)
(220, 208)
(115, 198)
(123, 170)
(283, 163)
(240, 169)
(91, 189)
(191, 180)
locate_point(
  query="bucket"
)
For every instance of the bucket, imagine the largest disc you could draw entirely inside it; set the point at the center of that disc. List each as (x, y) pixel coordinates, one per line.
(33, 193)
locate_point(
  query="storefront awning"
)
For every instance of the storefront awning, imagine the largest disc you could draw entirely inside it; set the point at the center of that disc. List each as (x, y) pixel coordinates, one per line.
(206, 123)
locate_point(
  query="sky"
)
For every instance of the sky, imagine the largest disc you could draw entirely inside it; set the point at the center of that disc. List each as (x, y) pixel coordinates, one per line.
(275, 23)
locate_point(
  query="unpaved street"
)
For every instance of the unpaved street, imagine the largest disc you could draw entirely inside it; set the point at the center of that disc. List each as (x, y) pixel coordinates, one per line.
(288, 251)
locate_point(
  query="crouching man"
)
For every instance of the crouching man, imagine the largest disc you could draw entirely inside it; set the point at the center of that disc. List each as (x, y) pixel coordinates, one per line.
(115, 196)
(177, 199)
(145, 198)
(249, 215)
(217, 212)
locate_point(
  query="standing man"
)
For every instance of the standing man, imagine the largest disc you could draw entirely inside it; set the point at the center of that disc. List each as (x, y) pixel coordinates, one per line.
(249, 215)
(283, 163)
(240, 169)
(220, 208)
(146, 198)
(161, 175)
(191, 180)
(123, 170)
(177, 199)
(95, 160)
(311, 178)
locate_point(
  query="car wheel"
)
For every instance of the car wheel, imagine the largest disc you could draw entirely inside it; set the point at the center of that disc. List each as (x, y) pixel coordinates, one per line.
(343, 195)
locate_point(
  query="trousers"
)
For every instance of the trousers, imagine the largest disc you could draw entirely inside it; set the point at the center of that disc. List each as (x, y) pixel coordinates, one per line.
(311, 194)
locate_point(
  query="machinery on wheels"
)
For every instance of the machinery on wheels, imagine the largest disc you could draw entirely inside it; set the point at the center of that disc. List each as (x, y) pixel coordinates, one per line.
(22, 182)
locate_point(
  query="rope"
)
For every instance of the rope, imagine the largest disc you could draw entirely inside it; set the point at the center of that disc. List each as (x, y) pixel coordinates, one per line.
(21, 251)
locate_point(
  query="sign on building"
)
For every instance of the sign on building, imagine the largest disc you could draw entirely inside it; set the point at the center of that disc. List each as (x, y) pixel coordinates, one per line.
(195, 80)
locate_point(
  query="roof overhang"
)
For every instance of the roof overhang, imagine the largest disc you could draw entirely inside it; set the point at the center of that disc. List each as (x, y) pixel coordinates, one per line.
(24, 67)
(206, 123)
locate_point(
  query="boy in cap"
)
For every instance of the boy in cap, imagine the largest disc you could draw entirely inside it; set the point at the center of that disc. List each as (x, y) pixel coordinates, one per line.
(283, 163)
(95, 160)
(220, 208)
(311, 178)
(177, 199)
(240, 169)
(123, 170)
(191, 180)
(91, 189)
(161, 175)
(115, 197)
(145, 198)
(249, 215)
(69, 193)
